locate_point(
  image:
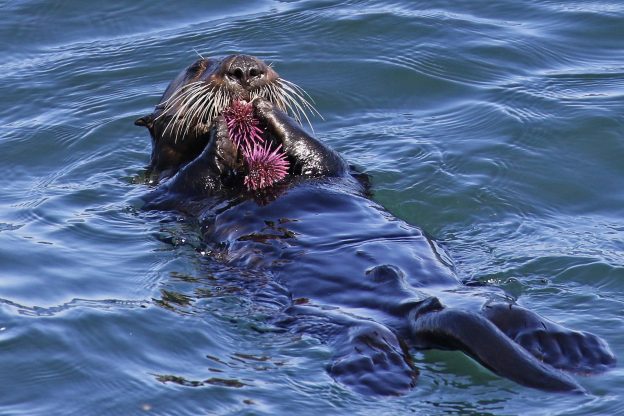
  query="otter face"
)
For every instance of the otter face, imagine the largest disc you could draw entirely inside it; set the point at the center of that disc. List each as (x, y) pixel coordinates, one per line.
(243, 77)
(181, 122)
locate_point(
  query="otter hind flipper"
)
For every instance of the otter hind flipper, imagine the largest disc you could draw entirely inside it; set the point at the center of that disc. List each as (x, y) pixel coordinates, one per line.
(475, 335)
(552, 343)
(367, 356)
(370, 359)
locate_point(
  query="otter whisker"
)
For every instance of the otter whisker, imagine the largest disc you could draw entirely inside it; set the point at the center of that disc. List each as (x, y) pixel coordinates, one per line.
(184, 112)
(203, 103)
(207, 109)
(177, 115)
(304, 95)
(178, 94)
(218, 103)
(225, 101)
(253, 94)
(213, 106)
(278, 95)
(171, 103)
(193, 118)
(295, 87)
(294, 99)
(275, 96)
(187, 122)
(194, 109)
(180, 98)
(198, 54)
(295, 106)
(299, 93)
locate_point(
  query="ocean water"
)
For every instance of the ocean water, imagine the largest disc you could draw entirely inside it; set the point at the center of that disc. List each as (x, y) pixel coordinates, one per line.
(498, 127)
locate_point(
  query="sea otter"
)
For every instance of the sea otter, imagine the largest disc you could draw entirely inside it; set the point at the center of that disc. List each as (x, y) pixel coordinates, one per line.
(340, 267)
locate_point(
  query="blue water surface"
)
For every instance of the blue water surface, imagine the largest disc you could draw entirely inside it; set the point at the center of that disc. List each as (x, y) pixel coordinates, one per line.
(498, 127)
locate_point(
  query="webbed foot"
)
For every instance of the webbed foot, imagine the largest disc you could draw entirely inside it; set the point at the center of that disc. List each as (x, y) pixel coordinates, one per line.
(371, 360)
(579, 352)
(554, 344)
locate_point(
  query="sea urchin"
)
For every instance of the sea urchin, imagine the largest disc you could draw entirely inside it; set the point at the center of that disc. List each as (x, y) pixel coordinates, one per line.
(242, 125)
(265, 166)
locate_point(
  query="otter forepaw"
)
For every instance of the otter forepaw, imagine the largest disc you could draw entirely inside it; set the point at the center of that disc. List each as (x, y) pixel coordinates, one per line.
(262, 107)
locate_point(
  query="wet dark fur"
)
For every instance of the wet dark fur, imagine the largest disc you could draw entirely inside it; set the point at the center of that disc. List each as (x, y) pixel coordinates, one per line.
(341, 267)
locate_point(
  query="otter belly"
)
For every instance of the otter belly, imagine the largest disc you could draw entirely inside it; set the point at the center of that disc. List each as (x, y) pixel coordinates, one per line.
(323, 243)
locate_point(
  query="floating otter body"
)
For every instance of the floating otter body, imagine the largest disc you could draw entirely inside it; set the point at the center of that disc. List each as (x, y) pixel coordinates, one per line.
(343, 268)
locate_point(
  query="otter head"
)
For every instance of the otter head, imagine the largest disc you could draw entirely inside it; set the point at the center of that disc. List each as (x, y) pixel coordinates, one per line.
(181, 123)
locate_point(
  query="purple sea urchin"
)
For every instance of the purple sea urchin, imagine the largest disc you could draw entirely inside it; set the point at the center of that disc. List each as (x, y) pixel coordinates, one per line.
(242, 125)
(265, 166)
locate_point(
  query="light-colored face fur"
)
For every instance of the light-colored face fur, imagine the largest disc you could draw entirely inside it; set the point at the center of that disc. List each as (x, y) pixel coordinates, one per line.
(190, 107)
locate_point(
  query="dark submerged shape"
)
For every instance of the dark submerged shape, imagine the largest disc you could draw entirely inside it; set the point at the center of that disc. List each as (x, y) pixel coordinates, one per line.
(342, 268)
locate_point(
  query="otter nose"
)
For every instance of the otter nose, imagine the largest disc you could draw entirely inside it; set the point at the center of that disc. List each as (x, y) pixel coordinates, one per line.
(245, 68)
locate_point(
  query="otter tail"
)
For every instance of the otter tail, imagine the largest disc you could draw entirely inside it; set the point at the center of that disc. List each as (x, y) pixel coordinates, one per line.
(482, 340)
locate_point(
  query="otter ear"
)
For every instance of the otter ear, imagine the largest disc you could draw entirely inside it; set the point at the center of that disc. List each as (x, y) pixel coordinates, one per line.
(145, 121)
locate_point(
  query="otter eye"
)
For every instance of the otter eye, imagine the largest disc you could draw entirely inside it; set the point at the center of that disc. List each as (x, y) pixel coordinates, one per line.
(253, 72)
(238, 73)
